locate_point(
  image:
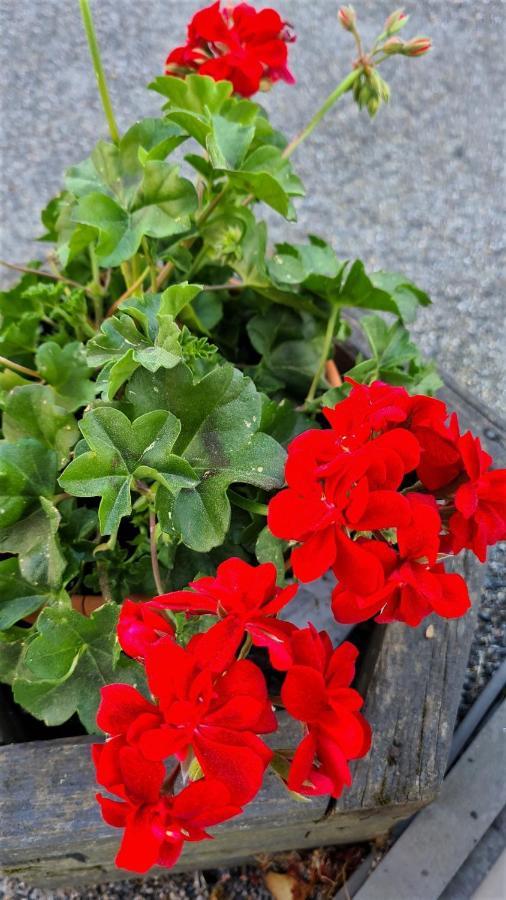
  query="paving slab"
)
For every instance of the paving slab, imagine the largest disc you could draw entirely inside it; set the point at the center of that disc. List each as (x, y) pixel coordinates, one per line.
(442, 836)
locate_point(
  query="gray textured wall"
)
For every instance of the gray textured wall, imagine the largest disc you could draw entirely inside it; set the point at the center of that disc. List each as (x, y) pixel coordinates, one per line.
(417, 190)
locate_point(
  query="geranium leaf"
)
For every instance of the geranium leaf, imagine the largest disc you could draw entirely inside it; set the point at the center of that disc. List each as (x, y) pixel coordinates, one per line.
(18, 597)
(220, 420)
(28, 470)
(69, 661)
(35, 540)
(67, 371)
(120, 451)
(33, 410)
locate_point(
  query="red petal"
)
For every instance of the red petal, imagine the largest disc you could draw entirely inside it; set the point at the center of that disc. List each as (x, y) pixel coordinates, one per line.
(293, 516)
(304, 693)
(313, 558)
(120, 705)
(385, 509)
(141, 842)
(341, 669)
(454, 600)
(357, 566)
(113, 812)
(238, 759)
(302, 763)
(142, 778)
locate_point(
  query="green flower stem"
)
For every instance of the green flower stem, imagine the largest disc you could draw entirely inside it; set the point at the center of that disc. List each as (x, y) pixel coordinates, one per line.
(338, 92)
(99, 71)
(16, 367)
(154, 553)
(150, 262)
(260, 509)
(95, 287)
(329, 334)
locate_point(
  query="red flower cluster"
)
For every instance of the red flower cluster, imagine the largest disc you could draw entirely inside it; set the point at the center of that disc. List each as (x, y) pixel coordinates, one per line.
(209, 708)
(378, 495)
(239, 44)
(316, 691)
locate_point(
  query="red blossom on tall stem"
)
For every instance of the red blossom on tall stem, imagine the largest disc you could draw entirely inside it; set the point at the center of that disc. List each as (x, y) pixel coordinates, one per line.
(237, 44)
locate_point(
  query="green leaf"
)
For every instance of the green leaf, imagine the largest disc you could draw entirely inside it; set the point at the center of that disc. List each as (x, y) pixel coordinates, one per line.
(220, 419)
(18, 597)
(120, 451)
(33, 411)
(270, 178)
(395, 359)
(69, 661)
(228, 142)
(35, 540)
(406, 296)
(176, 297)
(11, 648)
(27, 471)
(125, 192)
(270, 549)
(67, 371)
(144, 333)
(195, 93)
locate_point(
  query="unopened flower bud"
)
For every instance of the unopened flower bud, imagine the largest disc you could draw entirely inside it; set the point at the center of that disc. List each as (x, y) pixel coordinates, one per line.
(393, 45)
(347, 17)
(395, 22)
(417, 46)
(373, 105)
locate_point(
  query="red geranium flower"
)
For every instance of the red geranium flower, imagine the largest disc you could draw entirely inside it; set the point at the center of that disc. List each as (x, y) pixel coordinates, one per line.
(414, 585)
(480, 519)
(157, 826)
(239, 44)
(316, 691)
(247, 598)
(124, 714)
(212, 705)
(337, 483)
(139, 626)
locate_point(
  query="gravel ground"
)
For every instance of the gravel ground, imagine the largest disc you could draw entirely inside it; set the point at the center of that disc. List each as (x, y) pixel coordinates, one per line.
(417, 190)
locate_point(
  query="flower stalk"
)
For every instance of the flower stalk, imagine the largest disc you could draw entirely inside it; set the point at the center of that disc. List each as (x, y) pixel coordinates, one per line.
(98, 69)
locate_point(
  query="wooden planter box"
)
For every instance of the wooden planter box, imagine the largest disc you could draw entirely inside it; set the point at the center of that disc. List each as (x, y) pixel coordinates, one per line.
(411, 679)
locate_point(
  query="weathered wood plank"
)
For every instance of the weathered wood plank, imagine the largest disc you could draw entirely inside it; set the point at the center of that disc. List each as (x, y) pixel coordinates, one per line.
(53, 833)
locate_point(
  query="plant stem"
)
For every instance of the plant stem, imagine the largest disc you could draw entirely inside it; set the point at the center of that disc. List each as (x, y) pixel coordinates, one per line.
(206, 212)
(150, 261)
(42, 274)
(99, 71)
(164, 273)
(96, 287)
(128, 293)
(19, 368)
(338, 92)
(249, 505)
(103, 580)
(154, 554)
(329, 334)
